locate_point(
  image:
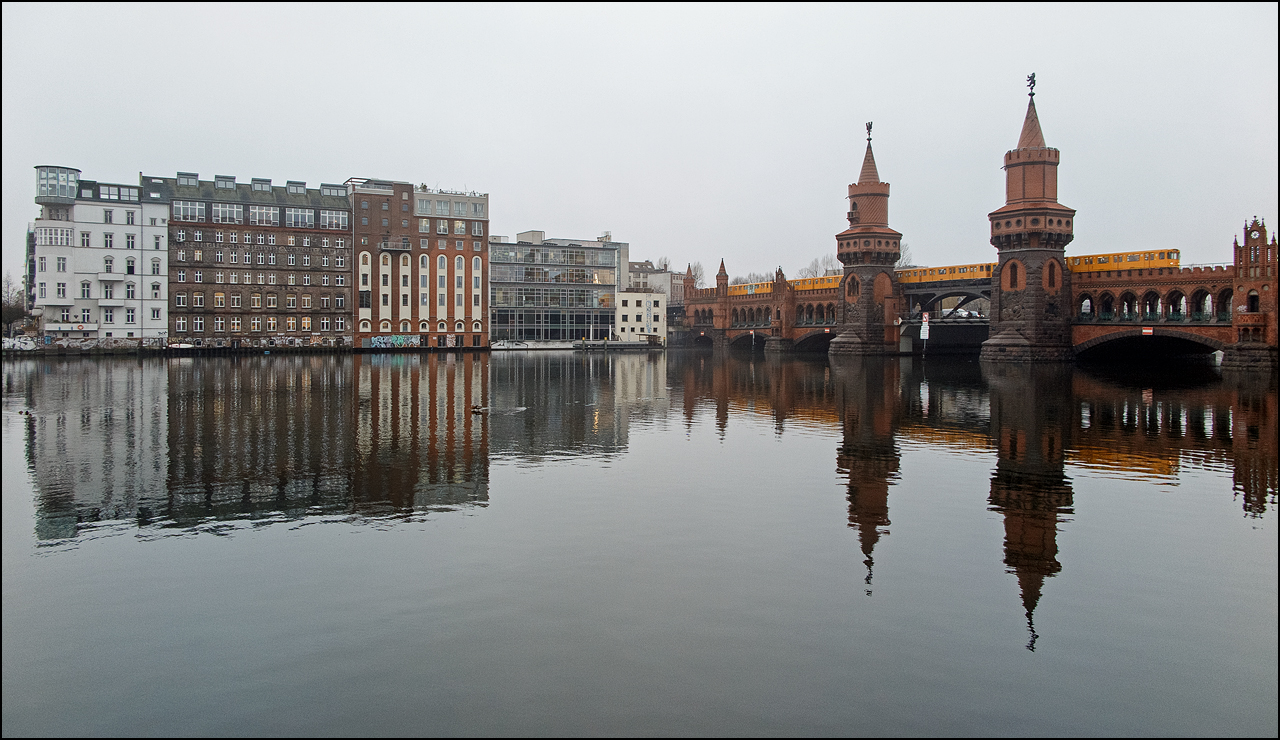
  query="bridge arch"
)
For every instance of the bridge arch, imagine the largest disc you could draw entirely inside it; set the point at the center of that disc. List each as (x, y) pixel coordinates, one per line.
(814, 341)
(1162, 342)
(969, 295)
(747, 340)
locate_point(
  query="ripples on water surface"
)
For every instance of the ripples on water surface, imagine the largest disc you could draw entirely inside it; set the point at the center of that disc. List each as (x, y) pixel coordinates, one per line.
(686, 543)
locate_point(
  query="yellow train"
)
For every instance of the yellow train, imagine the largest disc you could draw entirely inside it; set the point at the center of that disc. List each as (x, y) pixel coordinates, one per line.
(1075, 263)
(1123, 261)
(950, 272)
(816, 283)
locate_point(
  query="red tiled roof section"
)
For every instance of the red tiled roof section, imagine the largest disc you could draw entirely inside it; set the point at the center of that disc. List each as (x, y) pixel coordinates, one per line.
(1032, 137)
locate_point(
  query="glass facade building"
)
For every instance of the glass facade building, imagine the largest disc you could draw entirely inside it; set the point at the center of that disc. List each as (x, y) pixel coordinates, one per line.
(553, 290)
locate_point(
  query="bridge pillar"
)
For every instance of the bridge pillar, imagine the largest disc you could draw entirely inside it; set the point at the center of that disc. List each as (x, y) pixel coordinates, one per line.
(1250, 356)
(1030, 287)
(778, 345)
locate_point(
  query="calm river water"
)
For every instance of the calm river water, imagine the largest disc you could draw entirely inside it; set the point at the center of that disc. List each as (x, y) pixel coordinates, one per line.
(675, 543)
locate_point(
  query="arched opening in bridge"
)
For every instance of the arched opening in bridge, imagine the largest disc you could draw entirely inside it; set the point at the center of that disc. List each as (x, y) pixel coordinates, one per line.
(818, 341)
(702, 341)
(1201, 305)
(1085, 307)
(1253, 301)
(1175, 306)
(1151, 306)
(1107, 307)
(1131, 346)
(852, 288)
(1128, 307)
(1224, 304)
(748, 342)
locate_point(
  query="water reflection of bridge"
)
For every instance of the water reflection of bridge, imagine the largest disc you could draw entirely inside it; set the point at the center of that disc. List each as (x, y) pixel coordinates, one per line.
(1040, 422)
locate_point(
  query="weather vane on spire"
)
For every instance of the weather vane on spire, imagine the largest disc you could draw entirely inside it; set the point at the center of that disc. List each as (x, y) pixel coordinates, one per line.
(868, 132)
(1031, 83)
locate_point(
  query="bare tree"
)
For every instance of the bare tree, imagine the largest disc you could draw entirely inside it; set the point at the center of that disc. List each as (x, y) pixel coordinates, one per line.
(819, 266)
(15, 305)
(904, 257)
(699, 277)
(752, 277)
(662, 264)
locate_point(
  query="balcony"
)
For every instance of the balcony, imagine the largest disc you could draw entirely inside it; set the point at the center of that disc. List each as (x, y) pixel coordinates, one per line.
(110, 277)
(51, 327)
(1256, 319)
(395, 246)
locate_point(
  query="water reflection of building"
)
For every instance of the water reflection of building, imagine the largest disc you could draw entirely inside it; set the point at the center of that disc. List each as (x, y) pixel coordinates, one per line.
(96, 439)
(868, 399)
(257, 435)
(550, 403)
(421, 435)
(1031, 421)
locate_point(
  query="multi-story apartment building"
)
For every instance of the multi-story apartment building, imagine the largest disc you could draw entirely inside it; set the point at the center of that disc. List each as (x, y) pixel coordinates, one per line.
(255, 264)
(98, 265)
(641, 315)
(422, 265)
(555, 290)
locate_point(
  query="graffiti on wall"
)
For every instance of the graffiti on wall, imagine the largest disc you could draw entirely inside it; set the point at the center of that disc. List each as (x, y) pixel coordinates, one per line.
(394, 341)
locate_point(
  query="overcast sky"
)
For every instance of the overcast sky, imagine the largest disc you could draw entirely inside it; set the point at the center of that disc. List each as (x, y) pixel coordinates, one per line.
(694, 133)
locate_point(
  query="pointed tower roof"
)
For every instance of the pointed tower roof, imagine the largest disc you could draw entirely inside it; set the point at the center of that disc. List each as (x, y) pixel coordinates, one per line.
(1032, 137)
(869, 175)
(722, 270)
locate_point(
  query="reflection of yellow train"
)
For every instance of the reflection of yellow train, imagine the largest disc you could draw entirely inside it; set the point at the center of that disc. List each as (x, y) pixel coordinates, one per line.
(1123, 261)
(1081, 263)
(950, 272)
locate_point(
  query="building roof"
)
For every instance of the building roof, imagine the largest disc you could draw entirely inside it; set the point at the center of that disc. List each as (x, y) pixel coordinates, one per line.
(1032, 137)
(868, 174)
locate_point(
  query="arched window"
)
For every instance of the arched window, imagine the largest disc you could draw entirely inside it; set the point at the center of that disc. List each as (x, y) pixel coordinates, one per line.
(458, 326)
(440, 326)
(422, 263)
(386, 326)
(440, 265)
(404, 260)
(458, 263)
(364, 326)
(404, 327)
(1253, 304)
(155, 266)
(475, 326)
(386, 260)
(1053, 274)
(364, 258)
(1013, 274)
(475, 264)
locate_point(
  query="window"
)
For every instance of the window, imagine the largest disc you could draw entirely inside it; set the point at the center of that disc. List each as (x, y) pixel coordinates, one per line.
(339, 261)
(155, 290)
(333, 191)
(364, 220)
(108, 265)
(459, 209)
(130, 241)
(271, 258)
(404, 299)
(106, 215)
(306, 300)
(306, 323)
(386, 206)
(84, 289)
(386, 279)
(235, 300)
(339, 279)
(219, 324)
(459, 244)
(108, 240)
(62, 264)
(475, 299)
(404, 223)
(366, 299)
(440, 282)
(291, 301)
(299, 218)
(442, 208)
(386, 299)
(180, 300)
(219, 300)
(197, 323)
(324, 323)
(131, 316)
(477, 210)
(339, 300)
(296, 188)
(271, 323)
(442, 227)
(290, 259)
(84, 238)
(187, 179)
(42, 263)
(334, 220)
(459, 227)
(197, 277)
(198, 236)
(339, 324)
(384, 221)
(255, 300)
(197, 300)
(182, 276)
(180, 324)
(186, 210)
(228, 213)
(255, 324)
(224, 183)
(261, 186)
(271, 300)
(155, 314)
(477, 228)
(263, 216)
(340, 243)
(235, 323)
(157, 242)
(130, 291)
(108, 316)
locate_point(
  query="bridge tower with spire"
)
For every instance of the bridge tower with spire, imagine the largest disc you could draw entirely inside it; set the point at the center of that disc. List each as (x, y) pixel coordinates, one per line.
(869, 250)
(1030, 287)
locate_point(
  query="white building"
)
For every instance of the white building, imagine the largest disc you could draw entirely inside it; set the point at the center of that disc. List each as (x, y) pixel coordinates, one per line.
(100, 258)
(641, 315)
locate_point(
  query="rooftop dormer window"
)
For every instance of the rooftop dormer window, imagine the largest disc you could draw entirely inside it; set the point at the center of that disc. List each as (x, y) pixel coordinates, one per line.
(225, 183)
(261, 186)
(297, 188)
(188, 179)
